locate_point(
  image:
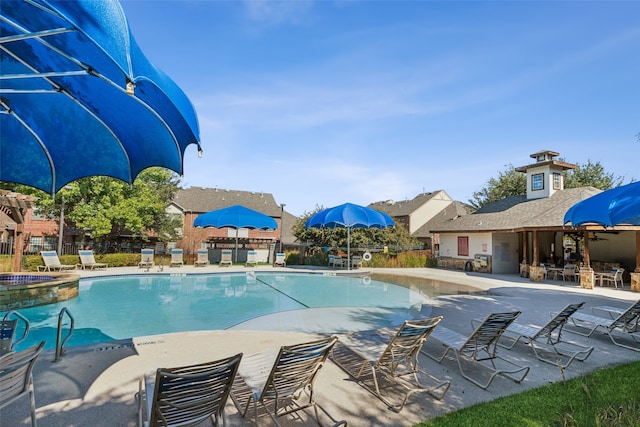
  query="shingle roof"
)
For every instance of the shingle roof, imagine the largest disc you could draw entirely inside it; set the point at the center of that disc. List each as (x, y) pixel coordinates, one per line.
(513, 213)
(405, 207)
(454, 210)
(200, 200)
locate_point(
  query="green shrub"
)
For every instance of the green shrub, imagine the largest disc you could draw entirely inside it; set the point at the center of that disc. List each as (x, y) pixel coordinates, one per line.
(318, 258)
(5, 263)
(293, 258)
(120, 259)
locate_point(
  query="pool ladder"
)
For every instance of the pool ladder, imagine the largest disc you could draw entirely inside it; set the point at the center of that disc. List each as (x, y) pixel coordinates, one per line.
(59, 341)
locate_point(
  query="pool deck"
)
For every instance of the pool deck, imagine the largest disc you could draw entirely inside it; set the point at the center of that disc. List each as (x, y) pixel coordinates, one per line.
(96, 385)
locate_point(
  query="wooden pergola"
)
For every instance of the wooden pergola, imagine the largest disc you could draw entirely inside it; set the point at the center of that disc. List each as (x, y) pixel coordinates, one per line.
(15, 206)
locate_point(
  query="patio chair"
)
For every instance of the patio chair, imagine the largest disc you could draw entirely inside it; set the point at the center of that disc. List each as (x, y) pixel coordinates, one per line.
(356, 261)
(394, 359)
(613, 279)
(88, 261)
(225, 257)
(479, 347)
(146, 258)
(202, 258)
(283, 382)
(331, 258)
(188, 395)
(252, 259)
(624, 325)
(338, 262)
(16, 380)
(176, 258)
(549, 339)
(52, 262)
(570, 272)
(281, 260)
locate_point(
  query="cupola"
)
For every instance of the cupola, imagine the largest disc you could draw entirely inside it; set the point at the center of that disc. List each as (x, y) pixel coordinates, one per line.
(545, 176)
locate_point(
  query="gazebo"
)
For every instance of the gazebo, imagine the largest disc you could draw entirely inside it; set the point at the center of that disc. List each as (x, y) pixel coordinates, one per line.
(15, 206)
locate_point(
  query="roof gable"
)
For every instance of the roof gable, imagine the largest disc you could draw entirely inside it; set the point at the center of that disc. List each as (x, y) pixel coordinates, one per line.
(407, 207)
(200, 200)
(517, 212)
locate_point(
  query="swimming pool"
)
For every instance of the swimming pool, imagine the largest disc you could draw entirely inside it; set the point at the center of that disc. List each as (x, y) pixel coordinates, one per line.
(121, 307)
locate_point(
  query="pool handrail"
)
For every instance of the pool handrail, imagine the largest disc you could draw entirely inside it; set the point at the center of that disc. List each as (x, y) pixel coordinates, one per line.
(60, 345)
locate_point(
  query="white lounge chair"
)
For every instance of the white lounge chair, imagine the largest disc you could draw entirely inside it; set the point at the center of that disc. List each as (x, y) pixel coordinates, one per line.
(52, 262)
(88, 261)
(176, 258)
(203, 258)
(281, 260)
(146, 258)
(225, 257)
(252, 259)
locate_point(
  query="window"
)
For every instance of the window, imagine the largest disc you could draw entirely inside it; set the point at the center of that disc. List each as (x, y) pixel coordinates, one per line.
(35, 244)
(537, 182)
(37, 214)
(557, 181)
(50, 243)
(463, 246)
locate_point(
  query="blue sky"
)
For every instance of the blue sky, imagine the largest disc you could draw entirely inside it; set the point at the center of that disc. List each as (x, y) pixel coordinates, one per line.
(326, 102)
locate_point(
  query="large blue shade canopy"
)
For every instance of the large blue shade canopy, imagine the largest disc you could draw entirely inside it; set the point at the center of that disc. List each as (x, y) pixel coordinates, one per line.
(236, 216)
(349, 215)
(78, 98)
(618, 206)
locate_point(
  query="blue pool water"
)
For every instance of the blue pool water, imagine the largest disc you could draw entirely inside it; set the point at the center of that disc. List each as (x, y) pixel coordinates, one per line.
(120, 307)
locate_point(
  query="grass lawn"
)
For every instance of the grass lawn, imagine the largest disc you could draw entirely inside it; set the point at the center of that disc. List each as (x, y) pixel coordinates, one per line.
(610, 397)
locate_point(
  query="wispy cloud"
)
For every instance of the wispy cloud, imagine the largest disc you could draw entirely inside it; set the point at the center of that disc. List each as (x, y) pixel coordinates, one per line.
(277, 12)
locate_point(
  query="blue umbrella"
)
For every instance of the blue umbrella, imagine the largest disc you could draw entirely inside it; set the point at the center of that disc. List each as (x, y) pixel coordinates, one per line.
(78, 97)
(236, 217)
(349, 216)
(620, 205)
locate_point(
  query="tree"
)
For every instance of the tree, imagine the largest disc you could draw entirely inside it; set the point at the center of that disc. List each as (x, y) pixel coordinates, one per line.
(592, 174)
(513, 183)
(509, 183)
(102, 205)
(337, 237)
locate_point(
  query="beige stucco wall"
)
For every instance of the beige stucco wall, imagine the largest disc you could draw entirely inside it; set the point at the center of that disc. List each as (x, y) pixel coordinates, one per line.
(479, 243)
(428, 210)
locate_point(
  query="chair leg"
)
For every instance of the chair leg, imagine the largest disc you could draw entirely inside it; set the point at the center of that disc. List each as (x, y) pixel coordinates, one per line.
(32, 403)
